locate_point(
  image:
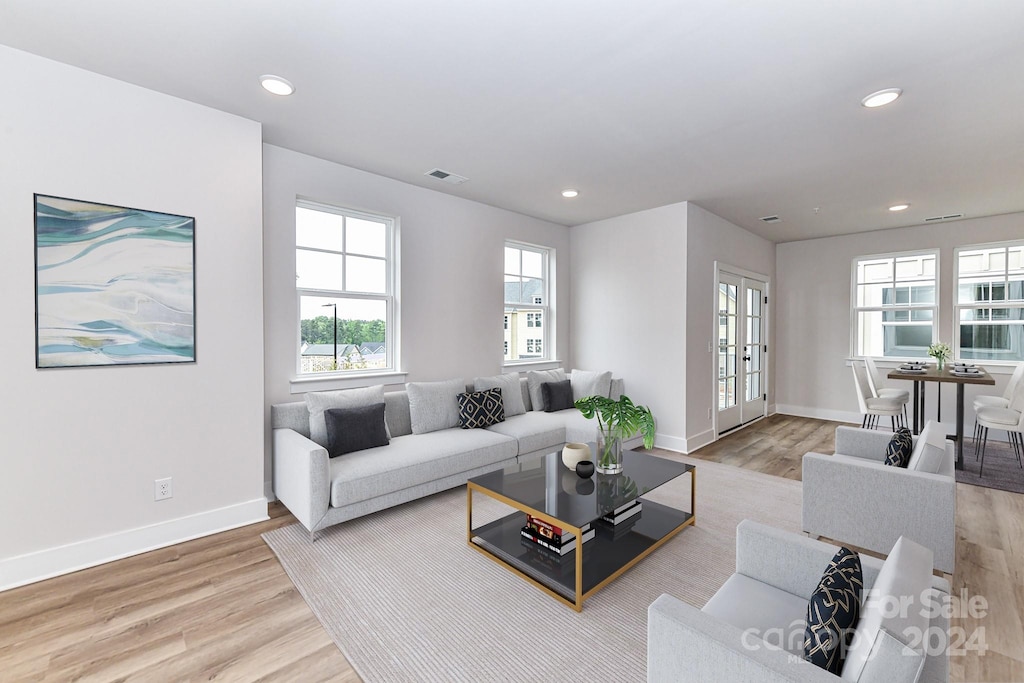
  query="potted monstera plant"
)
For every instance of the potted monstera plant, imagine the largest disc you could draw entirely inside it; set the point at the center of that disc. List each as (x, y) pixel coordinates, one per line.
(617, 420)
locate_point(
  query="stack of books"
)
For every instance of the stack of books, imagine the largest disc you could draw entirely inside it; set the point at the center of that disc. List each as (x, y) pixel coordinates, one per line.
(547, 535)
(622, 513)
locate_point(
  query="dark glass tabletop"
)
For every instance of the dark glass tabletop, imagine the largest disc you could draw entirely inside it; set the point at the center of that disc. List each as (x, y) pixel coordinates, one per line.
(546, 485)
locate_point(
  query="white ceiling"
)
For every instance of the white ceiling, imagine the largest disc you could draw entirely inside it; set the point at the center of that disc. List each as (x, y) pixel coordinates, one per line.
(748, 108)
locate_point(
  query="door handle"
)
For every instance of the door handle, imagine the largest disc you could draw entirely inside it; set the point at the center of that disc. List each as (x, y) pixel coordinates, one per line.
(746, 357)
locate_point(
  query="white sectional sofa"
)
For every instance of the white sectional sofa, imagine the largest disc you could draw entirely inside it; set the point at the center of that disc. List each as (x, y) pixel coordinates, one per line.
(321, 491)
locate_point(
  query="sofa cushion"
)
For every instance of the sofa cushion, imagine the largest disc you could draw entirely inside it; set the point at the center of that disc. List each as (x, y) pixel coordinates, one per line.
(588, 383)
(414, 459)
(897, 453)
(434, 405)
(883, 633)
(557, 396)
(833, 611)
(319, 401)
(355, 429)
(533, 431)
(534, 378)
(768, 612)
(478, 409)
(511, 391)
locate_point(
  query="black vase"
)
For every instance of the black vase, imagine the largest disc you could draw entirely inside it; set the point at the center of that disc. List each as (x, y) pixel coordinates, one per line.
(585, 469)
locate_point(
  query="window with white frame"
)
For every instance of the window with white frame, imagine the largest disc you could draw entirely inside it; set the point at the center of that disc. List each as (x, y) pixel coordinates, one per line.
(894, 304)
(345, 283)
(989, 306)
(527, 301)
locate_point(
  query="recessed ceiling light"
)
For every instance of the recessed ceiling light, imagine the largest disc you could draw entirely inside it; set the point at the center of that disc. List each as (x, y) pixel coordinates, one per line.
(276, 84)
(569, 194)
(899, 207)
(881, 98)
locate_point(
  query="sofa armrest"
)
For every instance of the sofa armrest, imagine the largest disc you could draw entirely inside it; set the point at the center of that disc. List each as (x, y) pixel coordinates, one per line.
(302, 478)
(869, 504)
(686, 644)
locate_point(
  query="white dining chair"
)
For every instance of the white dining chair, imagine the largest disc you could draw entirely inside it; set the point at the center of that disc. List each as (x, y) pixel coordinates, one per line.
(873, 407)
(988, 401)
(879, 391)
(1010, 419)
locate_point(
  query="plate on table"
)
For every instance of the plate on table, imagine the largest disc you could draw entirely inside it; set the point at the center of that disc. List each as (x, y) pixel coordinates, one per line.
(913, 371)
(966, 372)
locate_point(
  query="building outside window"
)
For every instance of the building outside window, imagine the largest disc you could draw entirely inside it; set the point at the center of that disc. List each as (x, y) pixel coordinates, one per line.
(989, 309)
(527, 293)
(345, 283)
(894, 305)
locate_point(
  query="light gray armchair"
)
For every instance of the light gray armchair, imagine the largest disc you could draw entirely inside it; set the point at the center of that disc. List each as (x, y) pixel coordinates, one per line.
(854, 497)
(752, 628)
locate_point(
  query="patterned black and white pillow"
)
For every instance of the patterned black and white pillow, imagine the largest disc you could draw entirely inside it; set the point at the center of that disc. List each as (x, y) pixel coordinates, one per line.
(481, 408)
(833, 611)
(901, 445)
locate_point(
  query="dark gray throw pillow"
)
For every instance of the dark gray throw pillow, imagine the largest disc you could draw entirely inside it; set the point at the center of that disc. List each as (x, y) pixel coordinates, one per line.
(481, 408)
(833, 612)
(901, 445)
(557, 395)
(355, 429)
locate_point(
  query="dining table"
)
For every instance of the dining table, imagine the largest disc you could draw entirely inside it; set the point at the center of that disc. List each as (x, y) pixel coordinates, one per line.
(932, 373)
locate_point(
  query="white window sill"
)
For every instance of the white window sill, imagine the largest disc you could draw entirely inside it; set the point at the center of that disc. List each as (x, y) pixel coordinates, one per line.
(300, 385)
(531, 365)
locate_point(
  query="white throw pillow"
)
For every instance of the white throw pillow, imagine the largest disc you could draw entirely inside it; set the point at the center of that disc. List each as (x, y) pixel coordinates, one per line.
(587, 383)
(905, 576)
(511, 391)
(534, 378)
(319, 401)
(434, 405)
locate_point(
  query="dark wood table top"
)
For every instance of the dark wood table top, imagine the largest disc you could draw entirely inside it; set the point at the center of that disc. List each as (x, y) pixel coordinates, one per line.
(933, 374)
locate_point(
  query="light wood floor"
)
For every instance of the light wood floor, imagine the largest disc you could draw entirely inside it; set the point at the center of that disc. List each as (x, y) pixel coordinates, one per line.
(222, 608)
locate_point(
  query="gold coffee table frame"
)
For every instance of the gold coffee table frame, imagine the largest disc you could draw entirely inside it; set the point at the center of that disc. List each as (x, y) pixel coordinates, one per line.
(579, 596)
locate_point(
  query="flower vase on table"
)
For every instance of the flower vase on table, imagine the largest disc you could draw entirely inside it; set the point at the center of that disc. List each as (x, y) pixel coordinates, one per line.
(940, 352)
(616, 421)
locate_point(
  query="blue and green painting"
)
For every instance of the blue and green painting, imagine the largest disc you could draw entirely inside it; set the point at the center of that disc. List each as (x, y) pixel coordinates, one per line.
(114, 286)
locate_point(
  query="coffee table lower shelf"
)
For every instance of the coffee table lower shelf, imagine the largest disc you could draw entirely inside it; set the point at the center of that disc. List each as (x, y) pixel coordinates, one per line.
(605, 557)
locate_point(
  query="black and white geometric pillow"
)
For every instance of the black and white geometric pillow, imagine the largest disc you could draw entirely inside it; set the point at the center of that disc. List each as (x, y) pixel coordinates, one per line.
(901, 445)
(833, 611)
(481, 408)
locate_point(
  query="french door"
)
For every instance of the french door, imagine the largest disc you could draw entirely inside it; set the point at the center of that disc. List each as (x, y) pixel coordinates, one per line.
(742, 369)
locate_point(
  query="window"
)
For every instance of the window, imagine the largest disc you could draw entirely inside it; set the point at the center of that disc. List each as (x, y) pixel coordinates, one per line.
(894, 305)
(527, 282)
(990, 302)
(344, 278)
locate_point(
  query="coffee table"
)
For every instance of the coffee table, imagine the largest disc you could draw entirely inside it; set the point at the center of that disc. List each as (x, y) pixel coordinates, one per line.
(545, 488)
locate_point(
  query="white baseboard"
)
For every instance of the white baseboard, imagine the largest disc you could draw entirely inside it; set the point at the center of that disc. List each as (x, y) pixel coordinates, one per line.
(268, 491)
(671, 443)
(820, 413)
(699, 440)
(45, 564)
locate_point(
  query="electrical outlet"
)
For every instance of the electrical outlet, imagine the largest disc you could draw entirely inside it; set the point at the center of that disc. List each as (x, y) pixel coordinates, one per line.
(709, 413)
(163, 489)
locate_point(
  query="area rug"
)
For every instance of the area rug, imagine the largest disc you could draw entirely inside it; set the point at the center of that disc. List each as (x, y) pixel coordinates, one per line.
(405, 599)
(1001, 468)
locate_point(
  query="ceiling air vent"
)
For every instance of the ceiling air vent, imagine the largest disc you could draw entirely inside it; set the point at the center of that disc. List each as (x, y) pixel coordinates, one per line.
(770, 219)
(943, 218)
(450, 178)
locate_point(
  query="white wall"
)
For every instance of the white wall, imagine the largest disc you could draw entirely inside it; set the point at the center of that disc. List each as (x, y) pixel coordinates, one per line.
(451, 252)
(82, 446)
(629, 309)
(710, 239)
(813, 312)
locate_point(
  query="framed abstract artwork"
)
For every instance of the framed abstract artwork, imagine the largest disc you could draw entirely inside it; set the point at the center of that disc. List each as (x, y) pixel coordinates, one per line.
(114, 285)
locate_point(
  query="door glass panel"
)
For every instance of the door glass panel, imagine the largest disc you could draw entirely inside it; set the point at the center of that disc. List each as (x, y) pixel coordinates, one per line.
(722, 405)
(753, 386)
